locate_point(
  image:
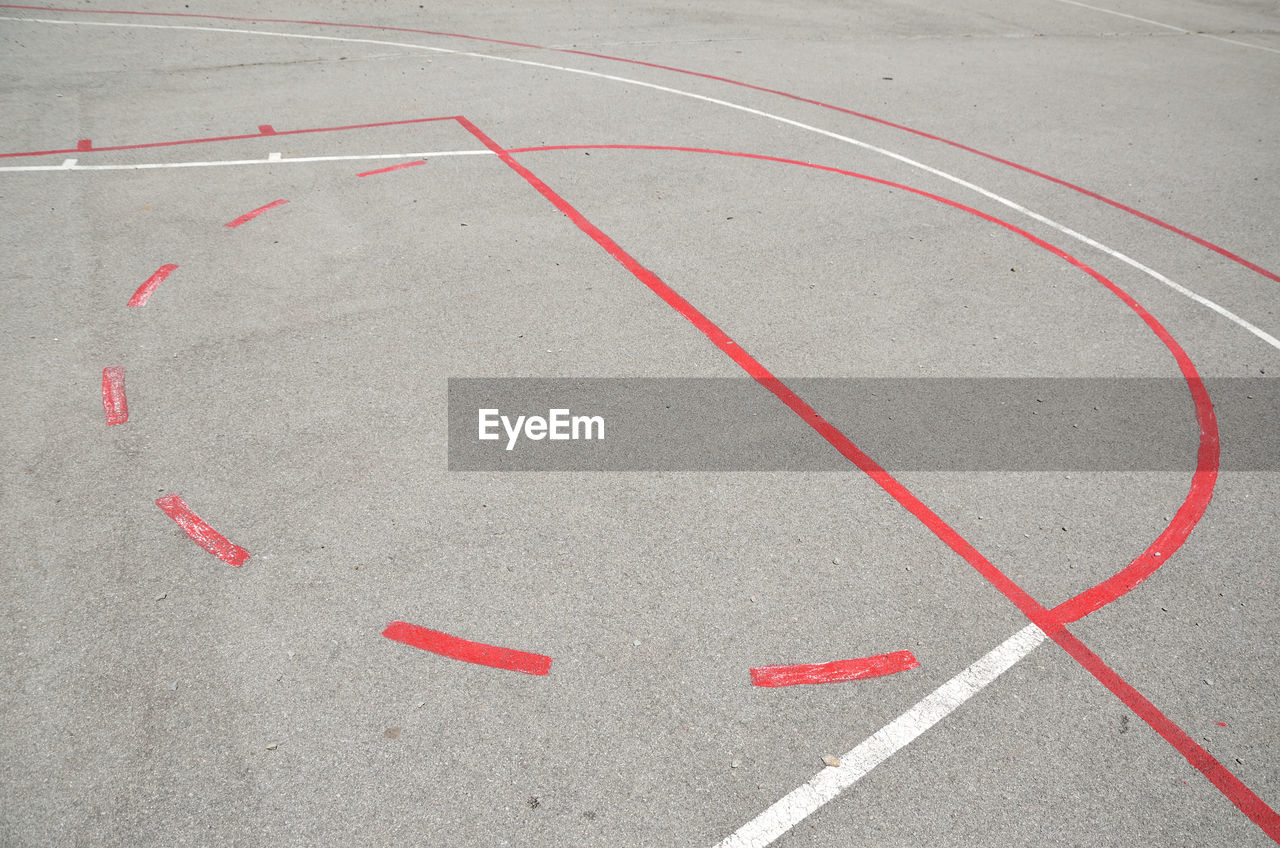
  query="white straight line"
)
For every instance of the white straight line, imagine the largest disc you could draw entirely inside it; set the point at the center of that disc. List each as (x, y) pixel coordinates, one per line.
(1067, 231)
(272, 159)
(1168, 26)
(824, 786)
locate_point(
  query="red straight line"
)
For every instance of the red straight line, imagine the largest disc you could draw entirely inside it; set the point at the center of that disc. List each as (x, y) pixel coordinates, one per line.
(1231, 786)
(858, 668)
(257, 135)
(114, 402)
(393, 168)
(249, 216)
(144, 291)
(200, 532)
(465, 650)
(1221, 251)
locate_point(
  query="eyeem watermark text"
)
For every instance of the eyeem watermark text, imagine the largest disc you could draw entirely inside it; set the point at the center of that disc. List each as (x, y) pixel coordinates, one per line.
(559, 425)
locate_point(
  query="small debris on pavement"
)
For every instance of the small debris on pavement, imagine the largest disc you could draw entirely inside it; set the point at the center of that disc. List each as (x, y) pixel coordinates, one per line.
(832, 762)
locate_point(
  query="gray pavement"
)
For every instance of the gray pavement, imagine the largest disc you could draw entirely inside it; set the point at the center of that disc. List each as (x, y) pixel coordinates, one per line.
(289, 382)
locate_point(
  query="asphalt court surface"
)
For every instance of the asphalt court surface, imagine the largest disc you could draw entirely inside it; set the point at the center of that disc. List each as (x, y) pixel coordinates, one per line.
(590, 217)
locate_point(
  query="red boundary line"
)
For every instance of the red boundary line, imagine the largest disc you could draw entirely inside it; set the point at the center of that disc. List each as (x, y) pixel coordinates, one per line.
(114, 402)
(144, 291)
(858, 668)
(1053, 625)
(249, 216)
(466, 650)
(1205, 243)
(200, 532)
(257, 135)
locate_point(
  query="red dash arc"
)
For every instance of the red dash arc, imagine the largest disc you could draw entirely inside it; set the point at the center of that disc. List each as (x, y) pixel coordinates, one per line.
(114, 402)
(145, 290)
(858, 668)
(249, 216)
(465, 650)
(200, 532)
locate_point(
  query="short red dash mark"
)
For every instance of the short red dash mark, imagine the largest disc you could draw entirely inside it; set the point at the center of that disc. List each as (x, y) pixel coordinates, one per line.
(200, 532)
(1221, 724)
(113, 399)
(393, 168)
(858, 668)
(144, 291)
(249, 216)
(266, 129)
(462, 649)
(84, 144)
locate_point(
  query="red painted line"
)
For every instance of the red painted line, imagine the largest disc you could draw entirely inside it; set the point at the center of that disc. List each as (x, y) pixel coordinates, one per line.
(413, 164)
(144, 291)
(84, 144)
(467, 651)
(114, 402)
(200, 532)
(1205, 243)
(249, 216)
(212, 139)
(858, 668)
(1052, 624)
(266, 129)
(1203, 480)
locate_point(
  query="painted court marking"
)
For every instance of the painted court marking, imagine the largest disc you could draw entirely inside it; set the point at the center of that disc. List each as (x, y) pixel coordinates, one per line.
(144, 291)
(249, 216)
(1169, 26)
(1017, 207)
(858, 668)
(853, 141)
(403, 166)
(215, 163)
(200, 532)
(466, 650)
(114, 403)
(824, 786)
(1235, 790)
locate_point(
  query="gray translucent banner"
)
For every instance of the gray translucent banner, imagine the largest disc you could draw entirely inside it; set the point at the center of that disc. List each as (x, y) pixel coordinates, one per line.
(924, 424)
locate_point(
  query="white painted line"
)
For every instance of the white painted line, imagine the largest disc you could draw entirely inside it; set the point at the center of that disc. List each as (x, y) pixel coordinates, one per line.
(824, 786)
(1067, 231)
(1169, 26)
(70, 164)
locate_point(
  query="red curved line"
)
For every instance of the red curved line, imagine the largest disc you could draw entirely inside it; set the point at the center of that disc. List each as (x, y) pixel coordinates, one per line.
(200, 532)
(1221, 251)
(1234, 789)
(1203, 480)
(249, 216)
(114, 402)
(144, 291)
(466, 650)
(858, 668)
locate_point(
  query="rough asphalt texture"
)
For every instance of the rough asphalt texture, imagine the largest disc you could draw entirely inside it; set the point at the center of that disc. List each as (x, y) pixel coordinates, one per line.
(289, 382)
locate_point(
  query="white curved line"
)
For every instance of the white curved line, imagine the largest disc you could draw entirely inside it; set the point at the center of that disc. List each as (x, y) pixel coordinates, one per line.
(1155, 275)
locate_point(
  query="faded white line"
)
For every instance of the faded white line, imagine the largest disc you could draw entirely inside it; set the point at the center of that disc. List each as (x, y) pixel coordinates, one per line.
(1169, 26)
(824, 786)
(272, 159)
(1022, 210)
